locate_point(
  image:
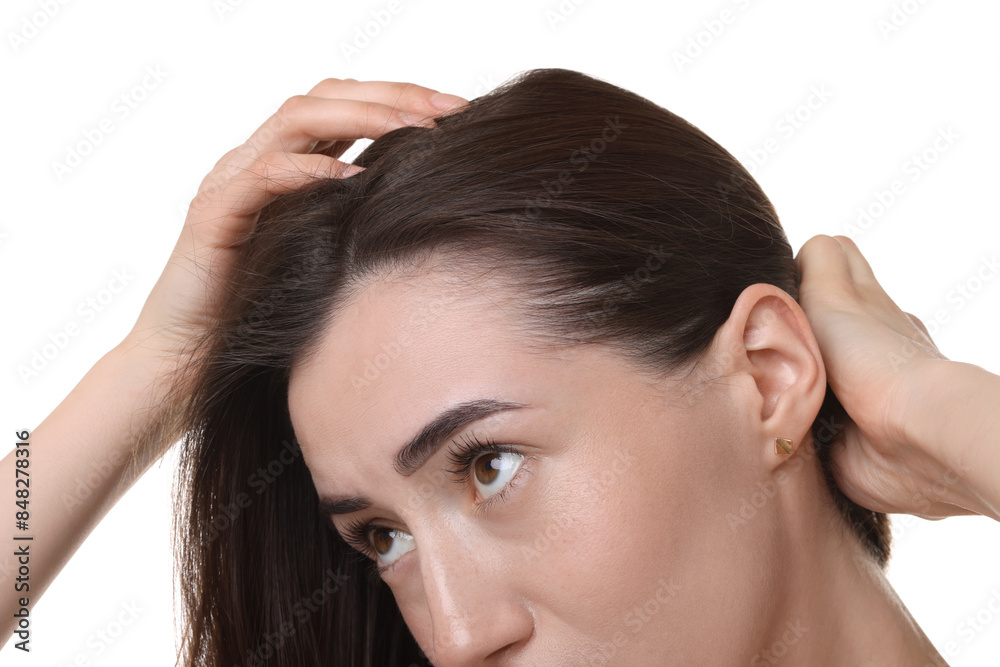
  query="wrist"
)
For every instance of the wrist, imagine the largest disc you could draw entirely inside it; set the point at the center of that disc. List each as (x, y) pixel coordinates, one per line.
(155, 356)
(148, 379)
(949, 418)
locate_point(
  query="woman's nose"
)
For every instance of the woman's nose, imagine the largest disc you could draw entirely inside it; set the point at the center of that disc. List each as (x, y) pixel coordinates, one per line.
(476, 611)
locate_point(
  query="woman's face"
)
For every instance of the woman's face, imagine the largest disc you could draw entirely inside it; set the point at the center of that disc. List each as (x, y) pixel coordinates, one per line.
(609, 535)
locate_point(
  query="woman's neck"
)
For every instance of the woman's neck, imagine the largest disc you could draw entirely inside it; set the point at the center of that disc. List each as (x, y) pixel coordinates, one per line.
(835, 606)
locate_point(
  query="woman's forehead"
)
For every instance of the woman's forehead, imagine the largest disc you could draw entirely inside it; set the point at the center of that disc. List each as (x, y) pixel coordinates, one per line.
(400, 348)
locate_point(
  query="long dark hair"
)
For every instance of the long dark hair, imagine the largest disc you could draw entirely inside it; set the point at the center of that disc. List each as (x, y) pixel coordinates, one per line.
(560, 182)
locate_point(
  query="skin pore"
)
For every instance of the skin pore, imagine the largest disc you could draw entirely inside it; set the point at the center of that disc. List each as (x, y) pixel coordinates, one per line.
(614, 540)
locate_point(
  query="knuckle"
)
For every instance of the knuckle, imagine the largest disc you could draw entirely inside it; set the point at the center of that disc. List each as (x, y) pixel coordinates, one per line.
(266, 165)
(409, 90)
(293, 105)
(328, 85)
(226, 159)
(846, 241)
(220, 164)
(821, 243)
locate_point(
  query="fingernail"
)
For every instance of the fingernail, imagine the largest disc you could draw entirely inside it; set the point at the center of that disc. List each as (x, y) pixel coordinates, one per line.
(350, 170)
(446, 101)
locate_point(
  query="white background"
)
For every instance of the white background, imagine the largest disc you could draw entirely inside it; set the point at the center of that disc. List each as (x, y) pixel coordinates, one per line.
(226, 66)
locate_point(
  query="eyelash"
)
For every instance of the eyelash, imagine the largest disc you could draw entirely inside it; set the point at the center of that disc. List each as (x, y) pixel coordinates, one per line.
(463, 456)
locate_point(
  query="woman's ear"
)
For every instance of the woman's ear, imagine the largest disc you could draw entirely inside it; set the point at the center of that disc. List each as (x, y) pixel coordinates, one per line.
(768, 337)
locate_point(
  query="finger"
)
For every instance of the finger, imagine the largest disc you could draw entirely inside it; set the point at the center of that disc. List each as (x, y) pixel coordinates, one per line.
(400, 95)
(869, 286)
(324, 124)
(302, 121)
(329, 121)
(243, 195)
(822, 257)
(823, 264)
(280, 172)
(861, 270)
(419, 101)
(332, 148)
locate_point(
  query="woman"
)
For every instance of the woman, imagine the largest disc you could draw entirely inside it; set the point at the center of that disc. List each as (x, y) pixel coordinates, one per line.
(555, 338)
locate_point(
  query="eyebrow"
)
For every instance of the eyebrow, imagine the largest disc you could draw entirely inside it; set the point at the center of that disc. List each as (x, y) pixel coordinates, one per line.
(414, 454)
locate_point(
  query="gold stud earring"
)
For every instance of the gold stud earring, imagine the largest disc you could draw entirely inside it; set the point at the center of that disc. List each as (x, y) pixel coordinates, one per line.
(782, 446)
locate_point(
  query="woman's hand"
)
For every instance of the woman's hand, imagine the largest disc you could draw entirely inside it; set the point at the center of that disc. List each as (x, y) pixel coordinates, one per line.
(878, 360)
(299, 143)
(117, 419)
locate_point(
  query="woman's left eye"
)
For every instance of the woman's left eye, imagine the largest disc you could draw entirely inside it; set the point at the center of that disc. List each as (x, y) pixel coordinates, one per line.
(491, 466)
(495, 470)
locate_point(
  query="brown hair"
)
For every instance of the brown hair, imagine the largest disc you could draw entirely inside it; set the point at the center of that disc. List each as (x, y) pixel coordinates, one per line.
(560, 182)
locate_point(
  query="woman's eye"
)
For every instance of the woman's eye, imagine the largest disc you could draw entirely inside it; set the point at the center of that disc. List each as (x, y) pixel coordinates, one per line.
(390, 543)
(495, 470)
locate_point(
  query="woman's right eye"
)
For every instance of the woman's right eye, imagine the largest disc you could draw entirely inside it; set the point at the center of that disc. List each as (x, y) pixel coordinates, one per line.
(381, 545)
(390, 544)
